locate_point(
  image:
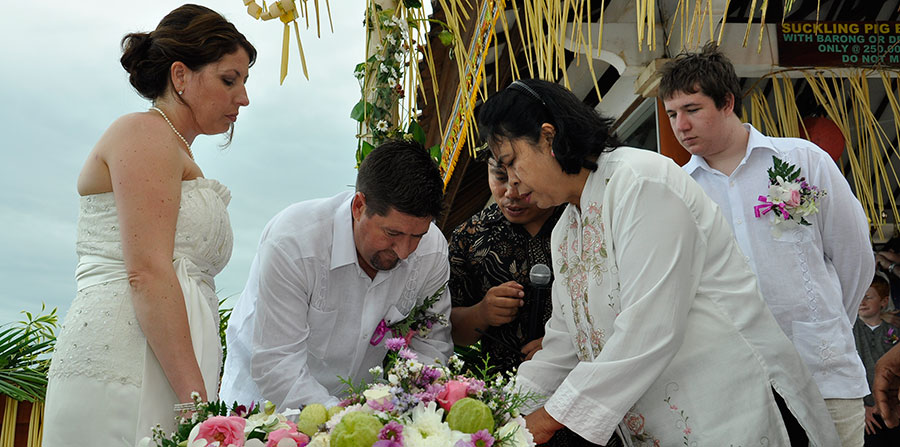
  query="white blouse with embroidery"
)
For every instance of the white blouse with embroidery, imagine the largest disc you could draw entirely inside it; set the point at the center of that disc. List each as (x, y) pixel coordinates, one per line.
(658, 326)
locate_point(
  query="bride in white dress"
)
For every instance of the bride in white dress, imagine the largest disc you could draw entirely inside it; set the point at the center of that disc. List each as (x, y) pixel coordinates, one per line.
(142, 333)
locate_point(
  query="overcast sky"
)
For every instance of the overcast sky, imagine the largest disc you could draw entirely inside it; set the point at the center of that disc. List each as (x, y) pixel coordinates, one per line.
(61, 86)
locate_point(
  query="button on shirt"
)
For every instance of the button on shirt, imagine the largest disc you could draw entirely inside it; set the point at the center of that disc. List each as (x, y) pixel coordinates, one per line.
(812, 277)
(308, 311)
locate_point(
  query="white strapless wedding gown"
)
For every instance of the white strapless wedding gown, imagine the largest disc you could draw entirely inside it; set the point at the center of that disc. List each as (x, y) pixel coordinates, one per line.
(106, 387)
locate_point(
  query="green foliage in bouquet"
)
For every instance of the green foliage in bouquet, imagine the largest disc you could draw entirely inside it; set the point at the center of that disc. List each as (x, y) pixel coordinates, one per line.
(25, 348)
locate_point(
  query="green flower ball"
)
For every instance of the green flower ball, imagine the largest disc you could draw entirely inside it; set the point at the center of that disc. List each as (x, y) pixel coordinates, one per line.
(470, 415)
(356, 429)
(311, 417)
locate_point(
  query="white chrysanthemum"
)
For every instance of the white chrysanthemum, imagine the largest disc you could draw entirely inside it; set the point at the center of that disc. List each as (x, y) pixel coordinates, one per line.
(521, 436)
(376, 370)
(320, 440)
(338, 416)
(382, 125)
(427, 428)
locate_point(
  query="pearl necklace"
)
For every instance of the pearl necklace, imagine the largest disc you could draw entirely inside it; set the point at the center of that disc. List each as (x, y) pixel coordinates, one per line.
(188, 146)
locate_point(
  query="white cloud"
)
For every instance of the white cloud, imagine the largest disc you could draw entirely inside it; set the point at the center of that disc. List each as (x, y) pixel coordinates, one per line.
(62, 85)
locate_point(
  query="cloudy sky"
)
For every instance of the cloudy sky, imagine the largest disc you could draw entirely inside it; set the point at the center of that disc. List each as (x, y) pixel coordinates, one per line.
(61, 86)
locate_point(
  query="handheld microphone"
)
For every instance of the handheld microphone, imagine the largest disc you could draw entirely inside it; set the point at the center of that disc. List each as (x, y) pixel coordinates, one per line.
(539, 276)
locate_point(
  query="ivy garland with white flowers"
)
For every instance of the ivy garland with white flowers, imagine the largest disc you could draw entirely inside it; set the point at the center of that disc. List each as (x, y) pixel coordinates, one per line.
(388, 71)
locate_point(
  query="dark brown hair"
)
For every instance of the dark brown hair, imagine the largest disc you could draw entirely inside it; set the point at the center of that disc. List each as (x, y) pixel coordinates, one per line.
(401, 174)
(192, 34)
(708, 72)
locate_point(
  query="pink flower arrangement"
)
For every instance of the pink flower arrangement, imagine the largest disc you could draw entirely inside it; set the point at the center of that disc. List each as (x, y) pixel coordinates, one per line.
(217, 424)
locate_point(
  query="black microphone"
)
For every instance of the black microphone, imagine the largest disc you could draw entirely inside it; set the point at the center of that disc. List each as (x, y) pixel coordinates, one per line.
(538, 294)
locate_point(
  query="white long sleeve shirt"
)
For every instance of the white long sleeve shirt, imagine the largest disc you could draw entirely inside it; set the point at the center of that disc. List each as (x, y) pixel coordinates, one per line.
(658, 326)
(812, 277)
(308, 311)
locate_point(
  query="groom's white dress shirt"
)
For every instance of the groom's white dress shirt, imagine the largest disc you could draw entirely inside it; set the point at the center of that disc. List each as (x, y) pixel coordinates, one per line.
(308, 311)
(812, 277)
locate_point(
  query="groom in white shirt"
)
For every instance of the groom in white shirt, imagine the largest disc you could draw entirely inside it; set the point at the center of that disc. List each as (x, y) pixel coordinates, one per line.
(813, 276)
(329, 273)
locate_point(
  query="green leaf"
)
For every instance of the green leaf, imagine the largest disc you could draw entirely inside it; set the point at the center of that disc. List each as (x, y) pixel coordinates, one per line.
(435, 152)
(417, 132)
(446, 38)
(412, 3)
(361, 110)
(364, 149)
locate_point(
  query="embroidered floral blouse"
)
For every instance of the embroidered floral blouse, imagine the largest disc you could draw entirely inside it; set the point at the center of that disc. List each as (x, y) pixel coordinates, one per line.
(658, 326)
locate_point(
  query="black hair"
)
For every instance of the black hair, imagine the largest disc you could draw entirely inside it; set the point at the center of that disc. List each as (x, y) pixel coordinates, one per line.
(708, 72)
(192, 34)
(401, 174)
(521, 109)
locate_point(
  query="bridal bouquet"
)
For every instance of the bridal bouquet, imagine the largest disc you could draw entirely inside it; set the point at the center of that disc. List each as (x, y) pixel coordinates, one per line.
(791, 198)
(416, 405)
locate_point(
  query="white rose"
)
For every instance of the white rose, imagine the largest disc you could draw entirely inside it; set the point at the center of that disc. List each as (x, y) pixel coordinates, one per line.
(378, 393)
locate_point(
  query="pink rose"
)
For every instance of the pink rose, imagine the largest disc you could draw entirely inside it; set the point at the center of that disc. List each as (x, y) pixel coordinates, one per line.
(226, 430)
(795, 198)
(453, 391)
(276, 436)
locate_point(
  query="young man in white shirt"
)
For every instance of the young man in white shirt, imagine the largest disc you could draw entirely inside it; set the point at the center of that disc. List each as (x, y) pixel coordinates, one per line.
(331, 274)
(811, 275)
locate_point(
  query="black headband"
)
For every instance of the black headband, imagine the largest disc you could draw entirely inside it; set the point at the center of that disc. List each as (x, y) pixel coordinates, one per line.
(521, 86)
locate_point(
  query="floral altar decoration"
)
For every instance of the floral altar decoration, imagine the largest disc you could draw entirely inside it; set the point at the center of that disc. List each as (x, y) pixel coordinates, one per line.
(409, 404)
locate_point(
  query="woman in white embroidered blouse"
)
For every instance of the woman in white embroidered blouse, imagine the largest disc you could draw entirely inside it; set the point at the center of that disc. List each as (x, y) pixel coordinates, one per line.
(658, 330)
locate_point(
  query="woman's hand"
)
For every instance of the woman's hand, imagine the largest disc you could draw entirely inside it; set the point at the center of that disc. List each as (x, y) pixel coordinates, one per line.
(532, 347)
(541, 425)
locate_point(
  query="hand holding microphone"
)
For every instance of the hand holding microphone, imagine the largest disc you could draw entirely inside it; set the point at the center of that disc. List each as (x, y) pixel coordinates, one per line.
(501, 303)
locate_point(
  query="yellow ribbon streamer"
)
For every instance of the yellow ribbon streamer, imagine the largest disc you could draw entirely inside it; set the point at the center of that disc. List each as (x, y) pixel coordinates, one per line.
(287, 12)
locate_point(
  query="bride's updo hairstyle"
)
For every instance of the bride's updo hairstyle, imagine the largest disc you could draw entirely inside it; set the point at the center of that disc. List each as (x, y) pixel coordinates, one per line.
(524, 106)
(192, 34)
